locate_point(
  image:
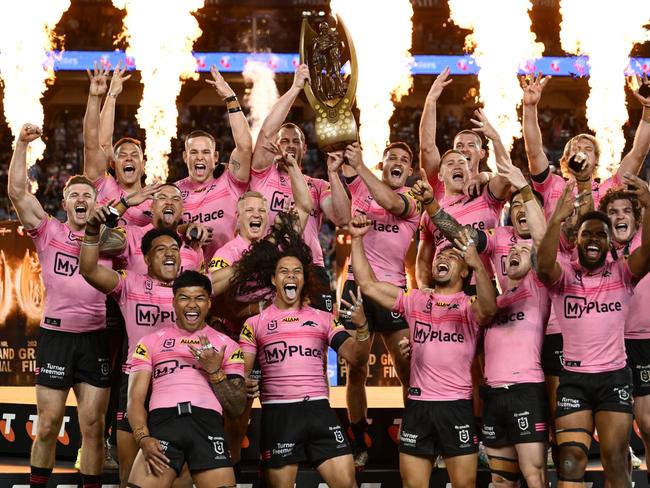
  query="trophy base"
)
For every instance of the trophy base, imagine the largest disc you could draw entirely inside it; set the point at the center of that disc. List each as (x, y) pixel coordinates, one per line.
(335, 126)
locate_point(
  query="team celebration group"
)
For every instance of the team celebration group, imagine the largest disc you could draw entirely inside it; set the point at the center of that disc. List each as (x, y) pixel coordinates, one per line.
(525, 331)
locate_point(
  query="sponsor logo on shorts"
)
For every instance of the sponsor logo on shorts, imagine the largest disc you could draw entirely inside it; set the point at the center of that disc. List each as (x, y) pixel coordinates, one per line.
(105, 368)
(408, 439)
(568, 403)
(219, 446)
(644, 375)
(575, 307)
(328, 302)
(282, 449)
(522, 422)
(338, 434)
(53, 370)
(463, 436)
(623, 394)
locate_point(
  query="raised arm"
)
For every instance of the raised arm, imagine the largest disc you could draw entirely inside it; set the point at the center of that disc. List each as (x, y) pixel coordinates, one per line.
(533, 88)
(355, 350)
(263, 155)
(429, 153)
(380, 191)
(98, 276)
(499, 186)
(28, 208)
(639, 260)
(240, 158)
(340, 201)
(231, 392)
(634, 159)
(107, 116)
(385, 294)
(301, 196)
(95, 160)
(546, 265)
(534, 213)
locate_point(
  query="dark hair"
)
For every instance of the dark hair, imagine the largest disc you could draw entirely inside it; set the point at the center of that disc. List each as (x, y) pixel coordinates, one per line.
(470, 272)
(614, 194)
(478, 137)
(596, 215)
(147, 239)
(537, 195)
(256, 267)
(173, 185)
(192, 278)
(399, 145)
(78, 180)
(116, 147)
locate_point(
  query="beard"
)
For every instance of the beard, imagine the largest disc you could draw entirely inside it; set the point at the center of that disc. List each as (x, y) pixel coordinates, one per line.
(591, 265)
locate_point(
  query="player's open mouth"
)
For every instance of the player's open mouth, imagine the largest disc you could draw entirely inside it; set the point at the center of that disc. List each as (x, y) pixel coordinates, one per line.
(255, 224)
(80, 211)
(593, 252)
(168, 215)
(514, 261)
(622, 227)
(396, 172)
(291, 290)
(191, 316)
(169, 263)
(521, 220)
(200, 168)
(128, 169)
(442, 268)
(457, 175)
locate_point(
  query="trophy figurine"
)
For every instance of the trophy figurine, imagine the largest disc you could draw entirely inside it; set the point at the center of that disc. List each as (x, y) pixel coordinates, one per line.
(325, 51)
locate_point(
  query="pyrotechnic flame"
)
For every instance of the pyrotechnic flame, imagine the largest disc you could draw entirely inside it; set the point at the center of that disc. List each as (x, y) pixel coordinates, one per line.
(381, 31)
(606, 32)
(25, 38)
(502, 42)
(160, 36)
(262, 94)
(6, 289)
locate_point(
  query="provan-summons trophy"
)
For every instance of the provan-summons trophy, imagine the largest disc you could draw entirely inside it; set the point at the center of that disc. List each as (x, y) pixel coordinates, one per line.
(326, 49)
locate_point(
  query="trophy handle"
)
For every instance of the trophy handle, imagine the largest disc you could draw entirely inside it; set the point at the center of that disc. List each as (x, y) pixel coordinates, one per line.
(306, 35)
(353, 79)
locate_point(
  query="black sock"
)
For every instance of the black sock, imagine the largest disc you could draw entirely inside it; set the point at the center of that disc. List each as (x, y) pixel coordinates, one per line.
(359, 430)
(91, 480)
(38, 477)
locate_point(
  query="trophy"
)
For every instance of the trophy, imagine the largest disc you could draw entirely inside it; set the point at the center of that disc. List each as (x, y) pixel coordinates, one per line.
(325, 51)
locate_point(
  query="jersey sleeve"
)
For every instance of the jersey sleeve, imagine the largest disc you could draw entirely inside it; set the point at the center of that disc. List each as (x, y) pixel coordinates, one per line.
(490, 243)
(467, 312)
(412, 207)
(218, 261)
(566, 270)
(336, 333)
(406, 301)
(324, 190)
(259, 178)
(120, 290)
(247, 340)
(426, 229)
(235, 185)
(233, 359)
(42, 234)
(141, 360)
(125, 255)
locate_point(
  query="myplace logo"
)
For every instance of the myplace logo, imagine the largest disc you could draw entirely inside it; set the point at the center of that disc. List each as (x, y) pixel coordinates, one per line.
(575, 307)
(150, 315)
(65, 264)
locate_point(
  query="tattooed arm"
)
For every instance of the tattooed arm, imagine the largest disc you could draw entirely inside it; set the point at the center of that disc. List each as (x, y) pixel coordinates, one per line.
(231, 393)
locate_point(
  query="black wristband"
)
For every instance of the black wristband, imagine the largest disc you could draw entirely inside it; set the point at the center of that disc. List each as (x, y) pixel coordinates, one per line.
(231, 98)
(428, 202)
(234, 110)
(124, 202)
(90, 233)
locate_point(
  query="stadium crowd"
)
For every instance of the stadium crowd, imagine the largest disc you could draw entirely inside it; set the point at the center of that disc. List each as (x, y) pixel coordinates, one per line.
(528, 312)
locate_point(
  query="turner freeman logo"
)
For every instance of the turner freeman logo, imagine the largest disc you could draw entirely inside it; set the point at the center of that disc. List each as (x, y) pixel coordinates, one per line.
(575, 307)
(425, 333)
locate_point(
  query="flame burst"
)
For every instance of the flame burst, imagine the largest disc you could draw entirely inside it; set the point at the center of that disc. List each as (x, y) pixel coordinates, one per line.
(160, 36)
(501, 42)
(262, 95)
(383, 44)
(606, 32)
(26, 35)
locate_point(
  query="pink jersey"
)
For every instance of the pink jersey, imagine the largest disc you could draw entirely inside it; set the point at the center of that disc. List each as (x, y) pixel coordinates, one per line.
(176, 374)
(71, 304)
(276, 188)
(213, 203)
(389, 238)
(443, 335)
(132, 258)
(108, 189)
(513, 342)
(146, 304)
(499, 242)
(229, 253)
(553, 185)
(481, 213)
(291, 347)
(591, 310)
(626, 249)
(637, 324)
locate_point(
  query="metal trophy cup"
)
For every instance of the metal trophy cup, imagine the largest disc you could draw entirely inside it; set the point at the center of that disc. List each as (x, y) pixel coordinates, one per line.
(330, 94)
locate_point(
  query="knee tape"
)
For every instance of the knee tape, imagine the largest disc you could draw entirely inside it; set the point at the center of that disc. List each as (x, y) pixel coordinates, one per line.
(504, 467)
(580, 438)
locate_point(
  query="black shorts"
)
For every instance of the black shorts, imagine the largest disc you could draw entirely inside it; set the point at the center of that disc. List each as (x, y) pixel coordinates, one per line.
(514, 415)
(609, 391)
(303, 431)
(197, 439)
(122, 421)
(64, 359)
(552, 358)
(438, 427)
(638, 360)
(379, 319)
(323, 298)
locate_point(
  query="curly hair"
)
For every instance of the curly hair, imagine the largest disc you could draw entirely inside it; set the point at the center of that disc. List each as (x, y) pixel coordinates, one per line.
(620, 193)
(254, 271)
